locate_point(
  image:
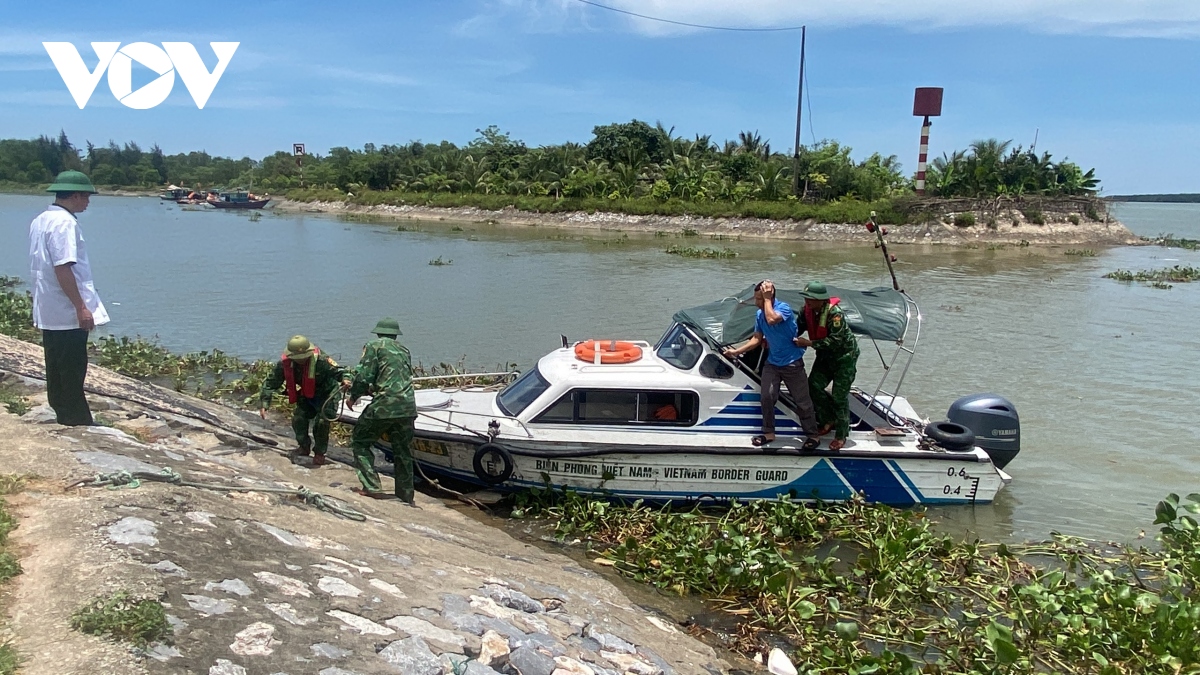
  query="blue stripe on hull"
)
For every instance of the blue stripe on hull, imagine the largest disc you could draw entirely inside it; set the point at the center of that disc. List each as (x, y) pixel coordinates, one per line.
(874, 479)
(820, 482)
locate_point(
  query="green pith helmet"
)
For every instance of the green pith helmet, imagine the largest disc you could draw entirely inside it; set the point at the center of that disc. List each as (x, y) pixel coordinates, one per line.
(815, 290)
(299, 348)
(387, 327)
(72, 181)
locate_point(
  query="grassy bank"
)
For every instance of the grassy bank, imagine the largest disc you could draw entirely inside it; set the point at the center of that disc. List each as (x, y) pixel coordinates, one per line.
(853, 588)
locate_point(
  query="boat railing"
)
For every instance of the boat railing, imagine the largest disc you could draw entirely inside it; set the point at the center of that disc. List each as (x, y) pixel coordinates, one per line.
(906, 345)
(450, 413)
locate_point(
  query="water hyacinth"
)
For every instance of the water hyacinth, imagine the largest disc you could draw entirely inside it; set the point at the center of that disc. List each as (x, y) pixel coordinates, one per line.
(855, 588)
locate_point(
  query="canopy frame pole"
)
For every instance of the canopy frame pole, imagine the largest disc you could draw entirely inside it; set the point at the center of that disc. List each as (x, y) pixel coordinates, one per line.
(903, 346)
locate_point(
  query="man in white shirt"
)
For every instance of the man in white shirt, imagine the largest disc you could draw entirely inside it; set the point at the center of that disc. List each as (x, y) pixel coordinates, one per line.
(65, 304)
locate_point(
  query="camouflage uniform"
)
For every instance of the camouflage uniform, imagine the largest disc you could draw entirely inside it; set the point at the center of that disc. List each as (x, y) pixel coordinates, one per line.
(837, 362)
(385, 371)
(328, 377)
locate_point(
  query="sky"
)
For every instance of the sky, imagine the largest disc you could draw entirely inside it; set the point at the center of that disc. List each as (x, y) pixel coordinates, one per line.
(1110, 84)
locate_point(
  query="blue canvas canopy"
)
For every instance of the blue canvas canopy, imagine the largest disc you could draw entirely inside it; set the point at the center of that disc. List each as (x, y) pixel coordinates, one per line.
(879, 313)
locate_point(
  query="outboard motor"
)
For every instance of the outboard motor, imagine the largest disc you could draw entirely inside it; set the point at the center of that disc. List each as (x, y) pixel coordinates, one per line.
(995, 423)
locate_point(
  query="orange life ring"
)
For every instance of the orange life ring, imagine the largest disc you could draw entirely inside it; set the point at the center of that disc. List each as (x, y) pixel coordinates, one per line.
(608, 351)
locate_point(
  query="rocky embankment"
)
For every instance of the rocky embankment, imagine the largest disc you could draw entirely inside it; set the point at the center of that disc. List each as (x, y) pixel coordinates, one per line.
(267, 582)
(1011, 226)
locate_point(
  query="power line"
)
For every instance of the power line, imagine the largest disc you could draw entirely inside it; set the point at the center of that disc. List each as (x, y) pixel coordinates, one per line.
(689, 25)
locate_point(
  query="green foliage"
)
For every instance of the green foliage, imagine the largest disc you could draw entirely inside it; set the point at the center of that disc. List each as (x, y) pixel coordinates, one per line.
(991, 169)
(965, 219)
(1177, 274)
(13, 402)
(206, 374)
(438, 262)
(123, 617)
(1073, 219)
(1081, 252)
(1166, 240)
(859, 588)
(622, 162)
(1034, 216)
(9, 566)
(16, 312)
(10, 661)
(694, 252)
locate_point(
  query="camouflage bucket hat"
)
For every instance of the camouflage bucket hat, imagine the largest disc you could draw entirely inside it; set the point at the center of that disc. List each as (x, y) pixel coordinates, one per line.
(387, 326)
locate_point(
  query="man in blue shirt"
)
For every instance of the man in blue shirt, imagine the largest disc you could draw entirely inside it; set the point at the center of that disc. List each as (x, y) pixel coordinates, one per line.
(776, 324)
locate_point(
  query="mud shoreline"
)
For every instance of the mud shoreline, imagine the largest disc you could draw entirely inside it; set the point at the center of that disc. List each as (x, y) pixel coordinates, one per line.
(1012, 227)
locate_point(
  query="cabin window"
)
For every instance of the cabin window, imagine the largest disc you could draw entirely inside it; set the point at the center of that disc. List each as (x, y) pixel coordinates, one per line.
(713, 367)
(517, 396)
(611, 406)
(680, 348)
(563, 410)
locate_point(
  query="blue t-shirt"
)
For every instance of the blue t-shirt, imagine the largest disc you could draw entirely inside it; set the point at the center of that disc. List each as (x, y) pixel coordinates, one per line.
(783, 352)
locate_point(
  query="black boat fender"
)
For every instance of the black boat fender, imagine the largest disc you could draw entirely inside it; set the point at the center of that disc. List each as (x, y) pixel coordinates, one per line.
(951, 436)
(493, 463)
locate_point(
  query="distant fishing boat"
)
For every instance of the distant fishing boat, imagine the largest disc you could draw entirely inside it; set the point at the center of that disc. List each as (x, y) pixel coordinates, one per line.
(237, 199)
(174, 193)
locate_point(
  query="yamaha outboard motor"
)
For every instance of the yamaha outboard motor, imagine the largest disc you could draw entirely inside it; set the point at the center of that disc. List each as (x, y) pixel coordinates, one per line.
(995, 423)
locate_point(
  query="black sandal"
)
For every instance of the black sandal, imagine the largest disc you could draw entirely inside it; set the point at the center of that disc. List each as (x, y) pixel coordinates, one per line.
(761, 440)
(811, 443)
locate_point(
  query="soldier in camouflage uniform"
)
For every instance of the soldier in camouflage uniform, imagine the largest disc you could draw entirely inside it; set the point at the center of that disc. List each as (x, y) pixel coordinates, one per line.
(385, 372)
(837, 359)
(310, 379)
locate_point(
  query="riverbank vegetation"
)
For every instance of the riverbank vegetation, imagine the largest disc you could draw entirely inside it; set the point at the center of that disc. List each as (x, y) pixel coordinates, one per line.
(854, 588)
(1160, 278)
(631, 167)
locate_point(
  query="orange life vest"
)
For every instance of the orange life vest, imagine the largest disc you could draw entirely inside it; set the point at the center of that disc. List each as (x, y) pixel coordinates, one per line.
(308, 377)
(817, 331)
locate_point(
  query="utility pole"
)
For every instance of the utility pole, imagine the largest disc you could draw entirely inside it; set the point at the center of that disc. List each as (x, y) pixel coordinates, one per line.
(799, 113)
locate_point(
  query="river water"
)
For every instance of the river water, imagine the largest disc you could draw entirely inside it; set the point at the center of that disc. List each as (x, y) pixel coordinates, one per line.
(1103, 373)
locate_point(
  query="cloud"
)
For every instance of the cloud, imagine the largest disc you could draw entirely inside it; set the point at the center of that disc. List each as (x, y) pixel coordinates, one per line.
(1126, 18)
(369, 77)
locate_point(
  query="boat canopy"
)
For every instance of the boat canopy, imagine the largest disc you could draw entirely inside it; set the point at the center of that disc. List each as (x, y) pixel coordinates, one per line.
(879, 313)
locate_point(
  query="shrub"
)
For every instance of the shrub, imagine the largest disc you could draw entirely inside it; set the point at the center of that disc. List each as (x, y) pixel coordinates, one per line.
(1073, 218)
(964, 219)
(123, 617)
(1034, 216)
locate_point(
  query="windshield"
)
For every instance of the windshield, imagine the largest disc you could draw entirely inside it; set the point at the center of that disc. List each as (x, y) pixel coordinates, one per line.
(680, 348)
(517, 396)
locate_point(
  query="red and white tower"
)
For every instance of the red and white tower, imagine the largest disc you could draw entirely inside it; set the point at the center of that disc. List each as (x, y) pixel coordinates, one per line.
(927, 103)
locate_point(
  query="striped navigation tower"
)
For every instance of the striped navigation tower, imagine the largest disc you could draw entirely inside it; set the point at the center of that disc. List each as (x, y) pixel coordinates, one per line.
(927, 103)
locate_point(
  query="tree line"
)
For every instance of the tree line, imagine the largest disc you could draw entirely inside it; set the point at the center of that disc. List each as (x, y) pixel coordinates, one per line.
(624, 161)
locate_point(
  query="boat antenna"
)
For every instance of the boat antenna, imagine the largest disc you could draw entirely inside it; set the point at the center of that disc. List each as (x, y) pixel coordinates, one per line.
(881, 243)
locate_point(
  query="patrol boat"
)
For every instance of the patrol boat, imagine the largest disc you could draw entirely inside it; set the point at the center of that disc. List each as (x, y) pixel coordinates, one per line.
(673, 421)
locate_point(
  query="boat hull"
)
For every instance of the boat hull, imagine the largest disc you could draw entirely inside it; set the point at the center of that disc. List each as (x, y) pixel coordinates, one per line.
(255, 204)
(722, 475)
